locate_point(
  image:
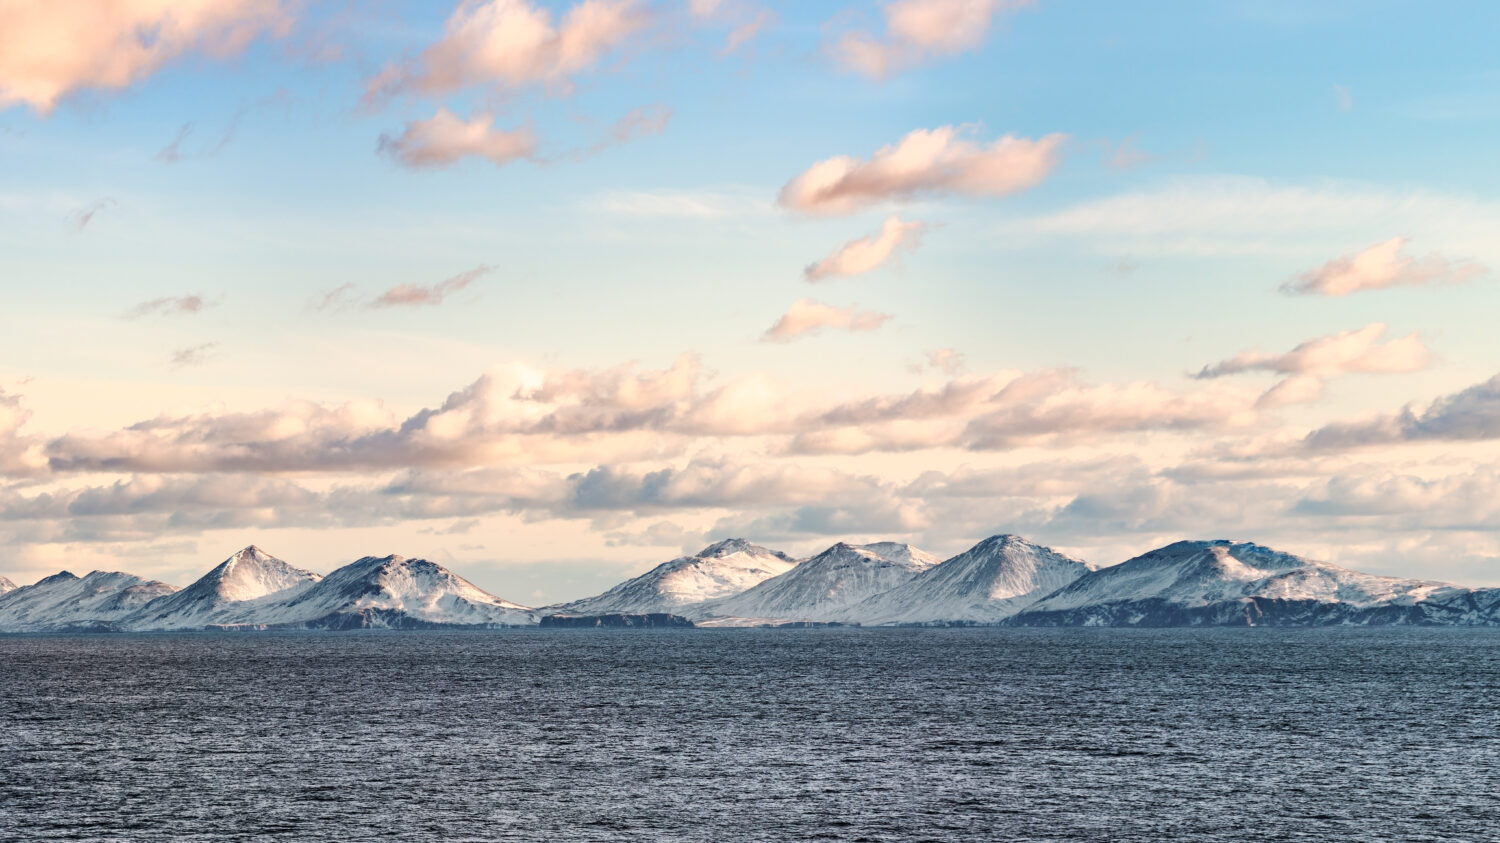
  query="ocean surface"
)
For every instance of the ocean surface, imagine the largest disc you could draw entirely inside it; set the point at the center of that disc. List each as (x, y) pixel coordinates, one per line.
(716, 735)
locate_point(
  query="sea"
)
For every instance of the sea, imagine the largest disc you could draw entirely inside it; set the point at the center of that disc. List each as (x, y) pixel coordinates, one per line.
(756, 735)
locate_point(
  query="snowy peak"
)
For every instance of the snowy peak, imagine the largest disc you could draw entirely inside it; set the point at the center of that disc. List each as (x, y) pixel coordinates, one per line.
(63, 601)
(6, 585)
(730, 547)
(824, 586)
(394, 591)
(231, 593)
(1226, 582)
(987, 583)
(720, 570)
(252, 574)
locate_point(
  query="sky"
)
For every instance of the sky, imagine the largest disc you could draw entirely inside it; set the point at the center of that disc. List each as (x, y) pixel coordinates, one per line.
(550, 293)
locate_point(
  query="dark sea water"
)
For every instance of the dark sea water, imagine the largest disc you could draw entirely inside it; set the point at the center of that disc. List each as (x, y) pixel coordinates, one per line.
(1149, 735)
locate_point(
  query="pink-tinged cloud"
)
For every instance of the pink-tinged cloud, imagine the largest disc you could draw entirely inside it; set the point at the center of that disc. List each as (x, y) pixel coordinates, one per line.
(427, 295)
(1312, 363)
(80, 218)
(509, 44)
(925, 162)
(1379, 267)
(806, 317)
(49, 49)
(867, 253)
(744, 19)
(919, 30)
(168, 306)
(445, 139)
(196, 355)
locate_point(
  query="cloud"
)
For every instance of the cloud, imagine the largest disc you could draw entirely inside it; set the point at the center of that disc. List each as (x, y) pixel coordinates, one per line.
(1343, 98)
(168, 306)
(946, 360)
(81, 217)
(1004, 411)
(1379, 267)
(417, 295)
(918, 30)
(1237, 215)
(745, 20)
(1127, 156)
(20, 455)
(867, 253)
(195, 355)
(927, 162)
(644, 121)
(509, 44)
(338, 298)
(445, 139)
(1311, 363)
(807, 316)
(683, 204)
(1469, 415)
(50, 49)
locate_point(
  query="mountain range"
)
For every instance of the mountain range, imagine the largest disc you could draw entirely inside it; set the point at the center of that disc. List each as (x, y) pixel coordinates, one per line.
(1004, 580)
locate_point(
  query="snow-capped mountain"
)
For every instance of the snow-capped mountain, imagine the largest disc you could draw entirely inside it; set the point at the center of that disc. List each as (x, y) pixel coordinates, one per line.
(390, 592)
(719, 570)
(238, 591)
(6, 585)
(67, 602)
(985, 584)
(823, 587)
(1193, 583)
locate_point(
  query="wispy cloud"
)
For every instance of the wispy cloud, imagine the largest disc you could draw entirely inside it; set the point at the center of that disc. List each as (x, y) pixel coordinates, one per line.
(428, 295)
(1381, 266)
(195, 355)
(925, 162)
(706, 204)
(867, 253)
(80, 218)
(807, 317)
(1343, 98)
(168, 306)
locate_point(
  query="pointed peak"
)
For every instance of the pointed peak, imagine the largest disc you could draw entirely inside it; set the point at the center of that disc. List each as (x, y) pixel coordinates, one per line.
(1004, 540)
(60, 576)
(736, 545)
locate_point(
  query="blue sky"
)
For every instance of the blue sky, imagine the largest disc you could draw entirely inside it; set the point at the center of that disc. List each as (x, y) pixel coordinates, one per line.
(1212, 154)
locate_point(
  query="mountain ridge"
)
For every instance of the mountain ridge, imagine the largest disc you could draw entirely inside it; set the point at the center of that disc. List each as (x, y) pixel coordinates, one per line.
(1003, 580)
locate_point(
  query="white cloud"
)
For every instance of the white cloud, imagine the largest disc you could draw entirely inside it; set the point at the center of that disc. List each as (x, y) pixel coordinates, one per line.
(918, 30)
(510, 44)
(867, 253)
(49, 49)
(925, 162)
(445, 139)
(807, 316)
(1379, 267)
(1311, 363)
